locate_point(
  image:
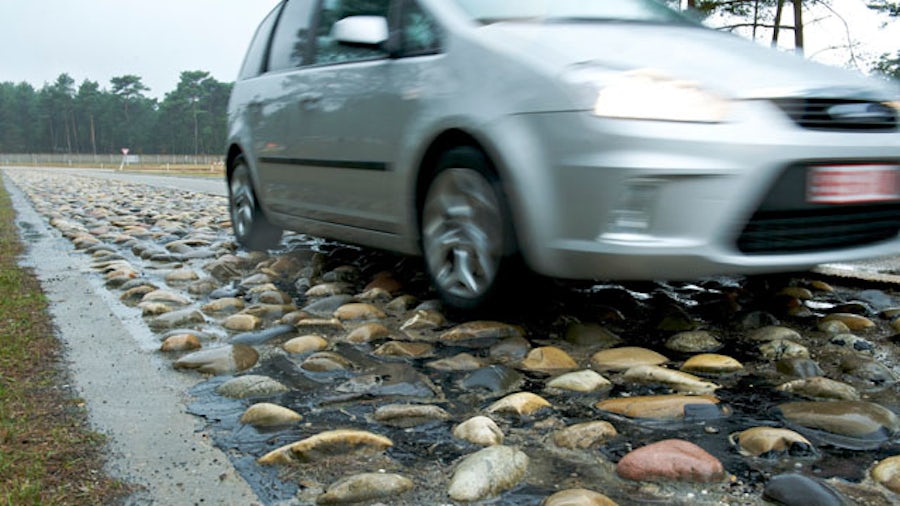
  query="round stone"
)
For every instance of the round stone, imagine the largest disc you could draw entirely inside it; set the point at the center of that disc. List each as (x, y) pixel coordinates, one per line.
(887, 473)
(799, 490)
(368, 332)
(305, 344)
(820, 388)
(242, 322)
(479, 430)
(487, 473)
(409, 415)
(181, 342)
(251, 385)
(328, 444)
(775, 332)
(223, 360)
(584, 435)
(672, 459)
(358, 311)
(578, 497)
(854, 322)
(478, 330)
(693, 342)
(591, 334)
(404, 350)
(458, 362)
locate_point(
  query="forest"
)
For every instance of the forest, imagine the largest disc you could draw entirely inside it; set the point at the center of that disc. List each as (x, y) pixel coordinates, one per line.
(90, 118)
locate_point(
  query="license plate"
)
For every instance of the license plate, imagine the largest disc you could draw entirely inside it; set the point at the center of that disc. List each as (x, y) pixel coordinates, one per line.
(851, 184)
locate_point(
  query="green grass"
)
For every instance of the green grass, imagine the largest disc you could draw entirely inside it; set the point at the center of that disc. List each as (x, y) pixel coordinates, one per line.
(47, 453)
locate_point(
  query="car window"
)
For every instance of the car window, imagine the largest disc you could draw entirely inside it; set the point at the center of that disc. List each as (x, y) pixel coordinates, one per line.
(289, 46)
(329, 50)
(421, 33)
(649, 11)
(256, 54)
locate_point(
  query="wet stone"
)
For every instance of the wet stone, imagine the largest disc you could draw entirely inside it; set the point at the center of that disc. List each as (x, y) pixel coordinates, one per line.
(358, 311)
(656, 407)
(872, 373)
(672, 459)
(853, 322)
(772, 442)
(620, 359)
(780, 349)
(367, 333)
(404, 350)
(223, 360)
(820, 388)
(409, 415)
(494, 379)
(693, 342)
(887, 473)
(479, 330)
(521, 403)
(585, 435)
(479, 430)
(798, 367)
(328, 305)
(265, 414)
(330, 289)
(833, 327)
(181, 276)
(548, 359)
(384, 281)
(175, 319)
(679, 381)
(375, 295)
(401, 304)
(228, 305)
(251, 385)
(711, 363)
(366, 487)
(134, 295)
(799, 490)
(510, 350)
(591, 334)
(863, 424)
(181, 342)
(580, 381)
(326, 361)
(458, 362)
(154, 308)
(424, 319)
(263, 336)
(305, 344)
(578, 497)
(242, 322)
(487, 473)
(774, 332)
(328, 444)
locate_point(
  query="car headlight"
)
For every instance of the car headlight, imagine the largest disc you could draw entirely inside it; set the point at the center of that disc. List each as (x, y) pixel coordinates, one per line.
(644, 94)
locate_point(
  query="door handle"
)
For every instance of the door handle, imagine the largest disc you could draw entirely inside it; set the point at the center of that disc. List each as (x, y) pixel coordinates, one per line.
(310, 101)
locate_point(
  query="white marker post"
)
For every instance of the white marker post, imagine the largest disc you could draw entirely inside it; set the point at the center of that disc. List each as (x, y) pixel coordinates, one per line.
(124, 159)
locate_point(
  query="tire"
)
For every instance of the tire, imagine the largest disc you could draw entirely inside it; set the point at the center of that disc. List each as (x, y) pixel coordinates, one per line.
(251, 228)
(467, 240)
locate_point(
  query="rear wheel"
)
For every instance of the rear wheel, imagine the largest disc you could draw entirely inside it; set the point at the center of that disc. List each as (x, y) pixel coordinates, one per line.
(251, 228)
(466, 236)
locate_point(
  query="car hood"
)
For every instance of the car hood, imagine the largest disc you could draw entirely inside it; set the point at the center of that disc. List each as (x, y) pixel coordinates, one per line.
(721, 62)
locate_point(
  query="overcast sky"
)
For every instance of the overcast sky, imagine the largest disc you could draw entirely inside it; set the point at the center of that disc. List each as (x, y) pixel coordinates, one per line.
(158, 39)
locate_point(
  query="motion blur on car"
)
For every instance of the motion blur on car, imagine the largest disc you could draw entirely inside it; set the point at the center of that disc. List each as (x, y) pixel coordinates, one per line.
(573, 139)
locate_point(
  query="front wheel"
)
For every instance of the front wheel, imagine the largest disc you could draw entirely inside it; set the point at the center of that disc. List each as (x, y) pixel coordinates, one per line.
(466, 236)
(251, 228)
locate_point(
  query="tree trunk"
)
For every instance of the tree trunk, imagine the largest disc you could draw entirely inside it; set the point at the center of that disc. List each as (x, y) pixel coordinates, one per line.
(798, 26)
(93, 136)
(778, 11)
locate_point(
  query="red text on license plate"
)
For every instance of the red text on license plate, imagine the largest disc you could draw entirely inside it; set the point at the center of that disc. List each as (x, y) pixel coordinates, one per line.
(847, 184)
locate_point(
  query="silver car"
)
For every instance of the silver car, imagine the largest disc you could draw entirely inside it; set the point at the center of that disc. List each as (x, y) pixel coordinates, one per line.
(580, 139)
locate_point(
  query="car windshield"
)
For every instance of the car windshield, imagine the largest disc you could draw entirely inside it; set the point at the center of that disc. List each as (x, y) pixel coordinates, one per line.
(644, 11)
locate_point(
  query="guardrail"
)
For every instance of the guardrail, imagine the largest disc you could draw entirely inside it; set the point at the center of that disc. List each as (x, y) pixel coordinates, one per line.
(190, 163)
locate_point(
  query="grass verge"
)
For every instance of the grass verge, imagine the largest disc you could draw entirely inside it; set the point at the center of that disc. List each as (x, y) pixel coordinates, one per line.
(47, 453)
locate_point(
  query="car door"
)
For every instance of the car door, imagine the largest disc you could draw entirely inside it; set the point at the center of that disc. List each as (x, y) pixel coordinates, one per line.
(341, 156)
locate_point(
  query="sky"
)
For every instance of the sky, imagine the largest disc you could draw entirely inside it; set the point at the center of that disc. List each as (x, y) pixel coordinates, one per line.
(158, 39)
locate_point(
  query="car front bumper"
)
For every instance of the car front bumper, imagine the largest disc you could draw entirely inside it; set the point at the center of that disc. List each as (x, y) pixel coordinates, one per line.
(594, 198)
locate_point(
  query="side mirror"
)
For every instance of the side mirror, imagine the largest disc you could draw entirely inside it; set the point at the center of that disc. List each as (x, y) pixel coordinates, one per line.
(371, 31)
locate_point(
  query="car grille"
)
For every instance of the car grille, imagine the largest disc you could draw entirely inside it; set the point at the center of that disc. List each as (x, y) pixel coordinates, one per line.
(772, 232)
(839, 115)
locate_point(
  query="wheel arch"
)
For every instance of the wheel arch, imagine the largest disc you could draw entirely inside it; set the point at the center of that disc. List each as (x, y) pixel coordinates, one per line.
(456, 138)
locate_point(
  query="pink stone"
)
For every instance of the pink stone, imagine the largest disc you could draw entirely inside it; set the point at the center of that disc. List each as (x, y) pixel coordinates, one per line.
(672, 459)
